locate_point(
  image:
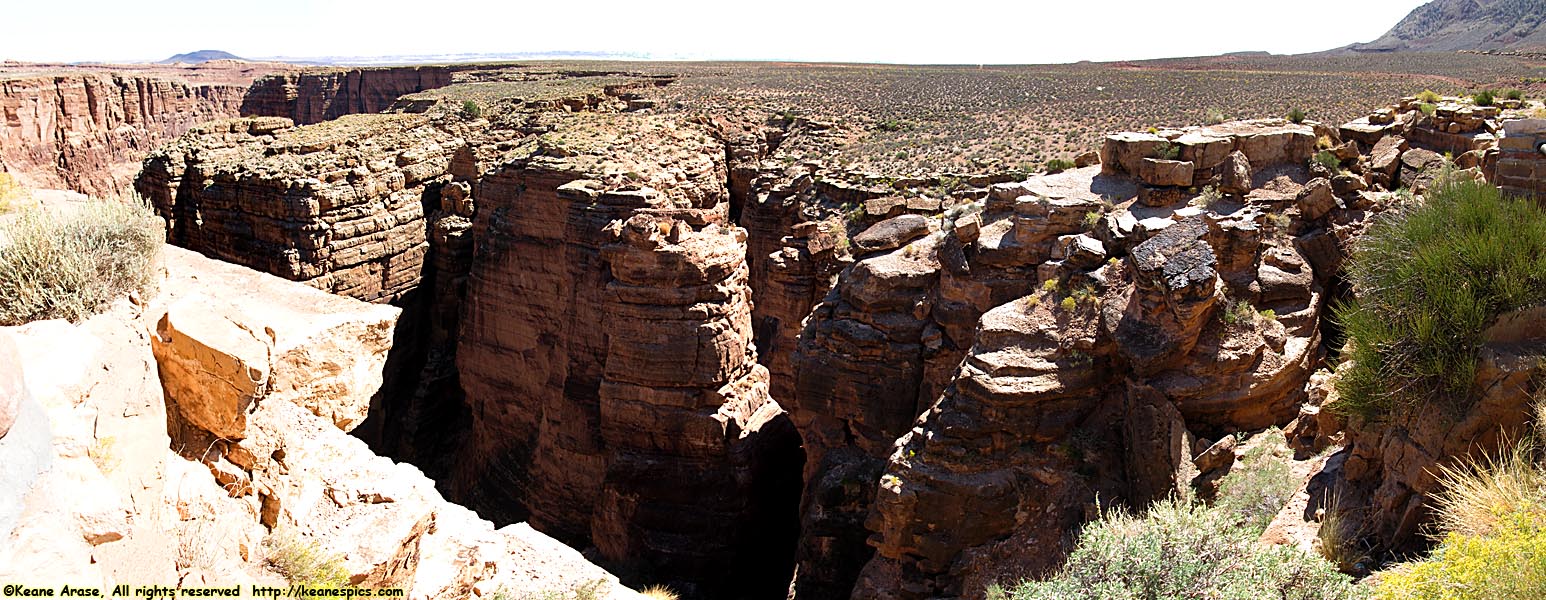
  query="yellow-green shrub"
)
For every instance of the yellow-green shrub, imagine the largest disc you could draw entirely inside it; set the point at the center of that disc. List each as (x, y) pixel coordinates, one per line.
(1509, 563)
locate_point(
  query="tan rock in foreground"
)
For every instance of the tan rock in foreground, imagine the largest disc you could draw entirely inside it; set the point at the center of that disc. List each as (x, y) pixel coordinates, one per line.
(264, 339)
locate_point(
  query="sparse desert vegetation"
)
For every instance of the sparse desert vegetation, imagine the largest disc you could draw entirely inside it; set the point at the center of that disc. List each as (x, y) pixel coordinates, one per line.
(303, 562)
(902, 120)
(1492, 519)
(1180, 548)
(1429, 280)
(69, 265)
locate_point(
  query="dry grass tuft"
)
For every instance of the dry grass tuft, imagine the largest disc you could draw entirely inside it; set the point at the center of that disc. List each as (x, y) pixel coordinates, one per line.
(658, 592)
(69, 266)
(1479, 495)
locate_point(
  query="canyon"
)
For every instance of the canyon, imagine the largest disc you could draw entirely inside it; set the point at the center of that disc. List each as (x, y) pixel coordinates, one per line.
(695, 345)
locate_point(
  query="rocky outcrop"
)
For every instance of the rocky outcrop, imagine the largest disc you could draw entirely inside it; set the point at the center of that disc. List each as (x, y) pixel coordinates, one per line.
(339, 206)
(219, 357)
(685, 417)
(611, 334)
(88, 132)
(1392, 466)
(1099, 383)
(314, 96)
(141, 495)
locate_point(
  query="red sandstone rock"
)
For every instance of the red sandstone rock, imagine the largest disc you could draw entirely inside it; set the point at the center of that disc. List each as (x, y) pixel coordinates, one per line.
(88, 132)
(338, 205)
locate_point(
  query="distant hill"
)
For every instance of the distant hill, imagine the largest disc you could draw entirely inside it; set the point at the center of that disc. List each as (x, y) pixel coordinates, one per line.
(202, 56)
(1452, 25)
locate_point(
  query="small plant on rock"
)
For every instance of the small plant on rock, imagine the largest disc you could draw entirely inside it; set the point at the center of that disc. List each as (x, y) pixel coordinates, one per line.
(1167, 151)
(1092, 220)
(1428, 97)
(1428, 109)
(471, 110)
(1058, 165)
(1514, 94)
(1328, 159)
(1297, 115)
(303, 562)
(1239, 313)
(1210, 196)
(1483, 98)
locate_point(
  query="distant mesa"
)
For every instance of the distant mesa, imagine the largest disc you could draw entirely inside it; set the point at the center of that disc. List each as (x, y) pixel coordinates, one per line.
(1454, 25)
(201, 56)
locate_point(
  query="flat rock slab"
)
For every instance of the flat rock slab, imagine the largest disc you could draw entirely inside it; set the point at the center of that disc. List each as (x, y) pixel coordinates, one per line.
(321, 351)
(892, 233)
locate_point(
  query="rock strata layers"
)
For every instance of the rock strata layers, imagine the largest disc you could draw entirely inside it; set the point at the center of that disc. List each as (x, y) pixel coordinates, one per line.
(88, 132)
(339, 206)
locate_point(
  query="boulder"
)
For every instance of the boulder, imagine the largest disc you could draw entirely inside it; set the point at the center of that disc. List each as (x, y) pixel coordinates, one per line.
(892, 233)
(213, 364)
(265, 338)
(1087, 159)
(1344, 184)
(1385, 158)
(1203, 150)
(1419, 167)
(1159, 196)
(1235, 176)
(1085, 252)
(1176, 288)
(1316, 199)
(1122, 153)
(1159, 172)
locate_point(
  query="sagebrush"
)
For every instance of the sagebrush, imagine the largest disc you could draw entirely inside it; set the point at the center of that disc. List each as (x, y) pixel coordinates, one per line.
(69, 265)
(1183, 550)
(303, 562)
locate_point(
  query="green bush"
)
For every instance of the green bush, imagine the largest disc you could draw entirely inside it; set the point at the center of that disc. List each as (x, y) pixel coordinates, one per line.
(1429, 97)
(1181, 550)
(69, 266)
(1483, 98)
(1328, 159)
(1167, 151)
(471, 110)
(1260, 484)
(1428, 280)
(1057, 164)
(1297, 115)
(1428, 109)
(1514, 94)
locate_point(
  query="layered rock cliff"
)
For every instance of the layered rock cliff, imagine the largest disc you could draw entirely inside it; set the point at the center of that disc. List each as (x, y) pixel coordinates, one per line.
(148, 488)
(339, 206)
(314, 96)
(592, 315)
(614, 334)
(88, 132)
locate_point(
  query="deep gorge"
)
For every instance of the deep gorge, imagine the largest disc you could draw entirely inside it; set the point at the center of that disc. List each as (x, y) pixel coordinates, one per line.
(693, 348)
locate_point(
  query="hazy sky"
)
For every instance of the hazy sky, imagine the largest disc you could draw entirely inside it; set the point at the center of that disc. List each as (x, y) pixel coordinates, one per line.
(955, 31)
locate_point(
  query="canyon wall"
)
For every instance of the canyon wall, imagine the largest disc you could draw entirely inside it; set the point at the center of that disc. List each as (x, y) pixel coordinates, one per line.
(88, 131)
(318, 95)
(714, 362)
(339, 206)
(609, 369)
